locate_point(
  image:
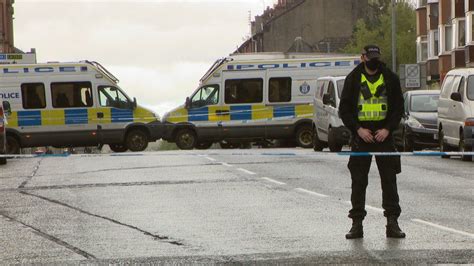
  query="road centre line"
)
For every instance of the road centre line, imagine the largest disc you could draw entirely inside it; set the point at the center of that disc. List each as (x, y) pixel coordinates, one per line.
(273, 181)
(246, 171)
(312, 193)
(210, 159)
(368, 207)
(444, 228)
(226, 164)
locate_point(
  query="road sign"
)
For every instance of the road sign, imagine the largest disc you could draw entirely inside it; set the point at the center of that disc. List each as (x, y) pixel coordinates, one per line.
(412, 76)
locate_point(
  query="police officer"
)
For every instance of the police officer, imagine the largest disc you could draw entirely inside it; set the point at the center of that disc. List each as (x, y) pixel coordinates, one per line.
(371, 107)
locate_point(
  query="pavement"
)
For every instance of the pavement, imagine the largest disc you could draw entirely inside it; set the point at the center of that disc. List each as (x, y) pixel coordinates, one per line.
(259, 206)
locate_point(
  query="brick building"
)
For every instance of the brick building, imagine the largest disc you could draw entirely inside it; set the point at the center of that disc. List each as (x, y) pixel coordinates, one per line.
(445, 36)
(6, 26)
(317, 25)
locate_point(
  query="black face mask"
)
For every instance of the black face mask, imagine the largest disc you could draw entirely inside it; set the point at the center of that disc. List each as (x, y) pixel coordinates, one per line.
(373, 64)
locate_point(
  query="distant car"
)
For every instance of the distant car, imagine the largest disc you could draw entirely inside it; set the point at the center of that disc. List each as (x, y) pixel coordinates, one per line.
(418, 128)
(456, 112)
(4, 108)
(328, 128)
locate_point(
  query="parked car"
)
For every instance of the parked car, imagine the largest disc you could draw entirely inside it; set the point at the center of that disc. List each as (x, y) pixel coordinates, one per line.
(328, 128)
(418, 128)
(4, 108)
(456, 112)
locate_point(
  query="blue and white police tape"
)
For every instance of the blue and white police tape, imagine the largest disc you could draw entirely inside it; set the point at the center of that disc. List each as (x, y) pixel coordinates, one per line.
(421, 153)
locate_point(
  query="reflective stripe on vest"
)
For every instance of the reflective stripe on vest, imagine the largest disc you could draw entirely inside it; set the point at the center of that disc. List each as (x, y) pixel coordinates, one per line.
(375, 108)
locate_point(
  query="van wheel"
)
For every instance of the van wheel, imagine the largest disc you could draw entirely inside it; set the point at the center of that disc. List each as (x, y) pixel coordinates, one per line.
(203, 145)
(136, 140)
(318, 145)
(13, 146)
(442, 145)
(118, 147)
(186, 139)
(332, 142)
(304, 136)
(464, 148)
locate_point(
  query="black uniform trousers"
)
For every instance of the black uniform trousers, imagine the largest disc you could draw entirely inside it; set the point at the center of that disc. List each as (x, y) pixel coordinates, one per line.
(389, 167)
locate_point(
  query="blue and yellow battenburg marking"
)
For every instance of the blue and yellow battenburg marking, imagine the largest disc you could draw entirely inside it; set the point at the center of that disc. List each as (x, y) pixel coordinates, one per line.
(79, 116)
(240, 113)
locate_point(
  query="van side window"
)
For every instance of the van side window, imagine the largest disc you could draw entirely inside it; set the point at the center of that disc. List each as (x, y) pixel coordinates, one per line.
(71, 94)
(113, 97)
(208, 95)
(33, 95)
(462, 86)
(243, 91)
(279, 90)
(470, 88)
(447, 86)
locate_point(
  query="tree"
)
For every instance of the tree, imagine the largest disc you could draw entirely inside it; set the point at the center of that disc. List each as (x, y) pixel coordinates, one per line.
(379, 31)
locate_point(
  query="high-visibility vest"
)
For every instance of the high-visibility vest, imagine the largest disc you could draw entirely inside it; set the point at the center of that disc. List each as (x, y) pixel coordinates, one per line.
(374, 108)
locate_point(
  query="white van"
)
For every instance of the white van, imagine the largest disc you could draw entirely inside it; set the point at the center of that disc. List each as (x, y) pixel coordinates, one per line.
(328, 128)
(254, 97)
(72, 105)
(456, 112)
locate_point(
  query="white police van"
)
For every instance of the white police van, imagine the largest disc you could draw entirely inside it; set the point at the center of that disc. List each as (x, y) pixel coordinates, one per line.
(254, 97)
(72, 105)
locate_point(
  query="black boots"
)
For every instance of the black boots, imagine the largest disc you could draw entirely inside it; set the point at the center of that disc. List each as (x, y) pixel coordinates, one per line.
(393, 230)
(357, 230)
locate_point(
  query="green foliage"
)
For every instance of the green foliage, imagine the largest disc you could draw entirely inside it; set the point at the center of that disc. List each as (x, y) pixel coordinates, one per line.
(378, 30)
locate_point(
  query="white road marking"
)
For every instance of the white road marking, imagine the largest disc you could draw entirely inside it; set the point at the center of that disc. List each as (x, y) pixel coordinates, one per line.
(210, 159)
(273, 181)
(226, 164)
(312, 192)
(246, 171)
(367, 207)
(444, 228)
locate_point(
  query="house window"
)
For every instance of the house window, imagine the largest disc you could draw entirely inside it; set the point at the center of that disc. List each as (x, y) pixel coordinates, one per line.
(434, 44)
(459, 32)
(470, 27)
(422, 49)
(446, 38)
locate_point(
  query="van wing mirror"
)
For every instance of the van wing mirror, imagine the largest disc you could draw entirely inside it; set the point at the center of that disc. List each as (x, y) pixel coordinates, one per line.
(456, 96)
(134, 104)
(187, 104)
(327, 100)
(6, 107)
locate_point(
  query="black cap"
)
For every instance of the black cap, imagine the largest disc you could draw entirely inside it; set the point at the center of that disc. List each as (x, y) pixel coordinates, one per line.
(372, 51)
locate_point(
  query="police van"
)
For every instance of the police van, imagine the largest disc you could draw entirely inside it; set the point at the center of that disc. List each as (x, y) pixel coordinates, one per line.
(253, 97)
(72, 105)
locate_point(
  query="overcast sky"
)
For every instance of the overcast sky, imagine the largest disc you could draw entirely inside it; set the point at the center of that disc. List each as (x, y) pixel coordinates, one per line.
(159, 49)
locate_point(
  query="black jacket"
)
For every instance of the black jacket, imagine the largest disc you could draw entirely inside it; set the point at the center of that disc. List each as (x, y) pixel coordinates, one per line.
(348, 107)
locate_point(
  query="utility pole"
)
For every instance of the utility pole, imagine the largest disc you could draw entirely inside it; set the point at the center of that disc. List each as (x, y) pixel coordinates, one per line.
(394, 36)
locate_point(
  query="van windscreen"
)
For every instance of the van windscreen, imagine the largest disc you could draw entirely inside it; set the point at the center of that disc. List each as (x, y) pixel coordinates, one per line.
(470, 88)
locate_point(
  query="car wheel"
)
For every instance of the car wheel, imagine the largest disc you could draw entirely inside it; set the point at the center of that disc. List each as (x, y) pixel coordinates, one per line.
(442, 145)
(13, 146)
(318, 145)
(464, 148)
(334, 146)
(203, 145)
(118, 147)
(186, 139)
(304, 136)
(407, 145)
(136, 140)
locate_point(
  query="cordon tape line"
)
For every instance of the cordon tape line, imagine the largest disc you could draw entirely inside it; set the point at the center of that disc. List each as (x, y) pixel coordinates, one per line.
(424, 154)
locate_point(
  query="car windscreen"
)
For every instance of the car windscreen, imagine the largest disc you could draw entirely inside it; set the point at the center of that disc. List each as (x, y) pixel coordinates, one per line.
(424, 103)
(470, 88)
(340, 86)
